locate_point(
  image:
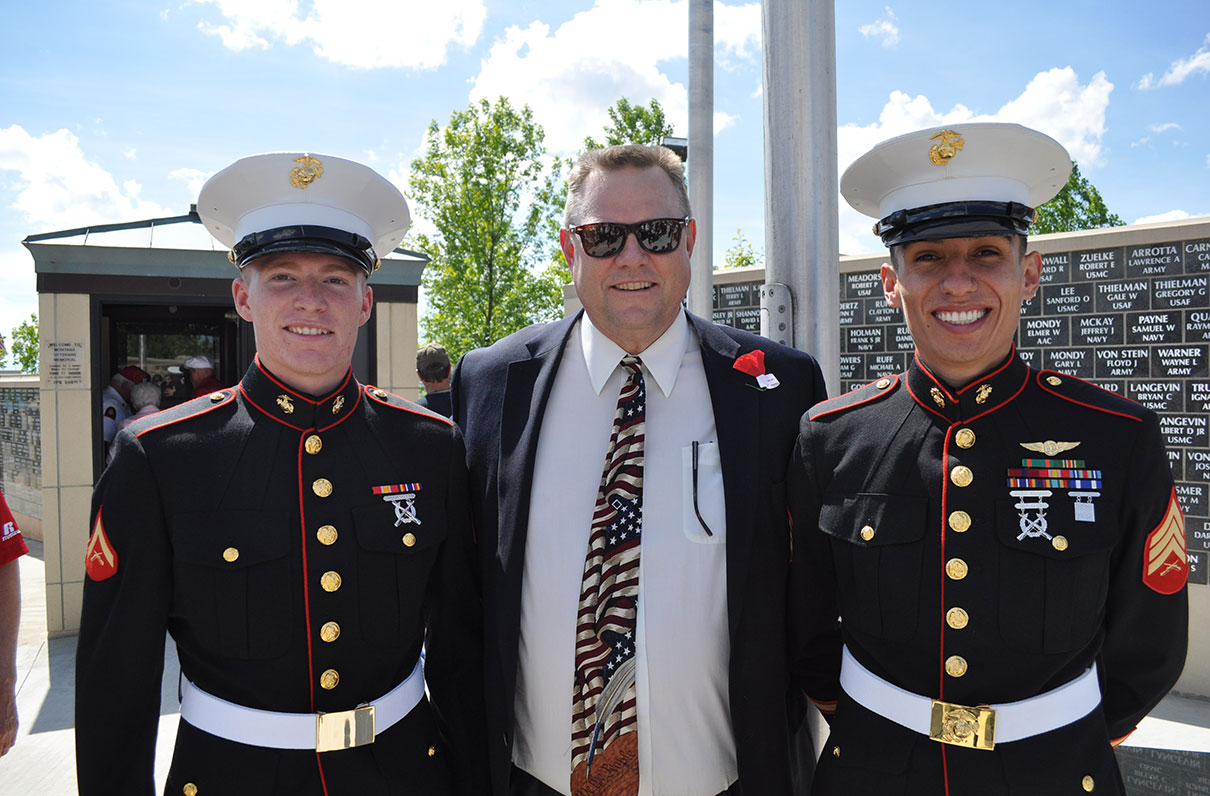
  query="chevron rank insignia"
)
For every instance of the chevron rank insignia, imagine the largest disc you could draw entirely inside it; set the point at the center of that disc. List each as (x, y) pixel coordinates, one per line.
(1166, 562)
(100, 559)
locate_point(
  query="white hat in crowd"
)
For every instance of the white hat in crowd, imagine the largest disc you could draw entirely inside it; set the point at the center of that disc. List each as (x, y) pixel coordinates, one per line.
(303, 202)
(960, 181)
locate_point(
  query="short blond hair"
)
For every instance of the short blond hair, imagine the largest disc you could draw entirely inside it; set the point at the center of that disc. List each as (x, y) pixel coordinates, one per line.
(616, 158)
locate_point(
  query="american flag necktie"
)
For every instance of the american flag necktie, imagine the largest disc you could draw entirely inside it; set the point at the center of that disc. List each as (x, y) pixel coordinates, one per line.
(604, 735)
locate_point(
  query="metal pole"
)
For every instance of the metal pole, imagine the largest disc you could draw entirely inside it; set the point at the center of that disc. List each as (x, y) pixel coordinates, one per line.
(701, 153)
(801, 239)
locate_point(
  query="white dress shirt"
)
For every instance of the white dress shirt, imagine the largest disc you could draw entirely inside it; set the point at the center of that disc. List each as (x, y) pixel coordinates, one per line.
(686, 746)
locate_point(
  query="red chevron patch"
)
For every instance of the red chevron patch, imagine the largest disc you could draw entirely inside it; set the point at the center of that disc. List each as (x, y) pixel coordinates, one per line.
(1166, 561)
(100, 559)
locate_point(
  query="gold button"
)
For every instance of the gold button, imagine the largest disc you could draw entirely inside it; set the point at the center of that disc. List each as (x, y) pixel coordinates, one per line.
(432, 751)
(330, 581)
(191, 790)
(313, 444)
(867, 533)
(965, 438)
(957, 618)
(322, 487)
(1059, 543)
(956, 568)
(1054, 381)
(230, 554)
(329, 632)
(1088, 783)
(329, 679)
(835, 751)
(409, 540)
(962, 475)
(215, 397)
(326, 534)
(380, 393)
(960, 521)
(955, 666)
(883, 384)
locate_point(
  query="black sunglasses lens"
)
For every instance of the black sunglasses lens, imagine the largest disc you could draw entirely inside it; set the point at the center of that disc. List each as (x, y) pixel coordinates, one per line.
(660, 235)
(602, 240)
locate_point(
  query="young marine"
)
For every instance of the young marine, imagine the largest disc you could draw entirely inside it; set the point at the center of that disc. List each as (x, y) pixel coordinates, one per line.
(1003, 546)
(301, 537)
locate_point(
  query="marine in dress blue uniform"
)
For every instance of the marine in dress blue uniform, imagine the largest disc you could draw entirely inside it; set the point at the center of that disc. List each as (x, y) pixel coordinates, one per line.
(301, 548)
(1003, 546)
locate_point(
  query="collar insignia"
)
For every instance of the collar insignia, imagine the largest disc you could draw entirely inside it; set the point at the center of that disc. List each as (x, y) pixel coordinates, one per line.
(938, 398)
(285, 403)
(338, 404)
(983, 393)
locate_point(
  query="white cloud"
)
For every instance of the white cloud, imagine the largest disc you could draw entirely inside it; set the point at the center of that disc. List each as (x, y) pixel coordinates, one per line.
(130, 154)
(571, 75)
(337, 29)
(194, 179)
(723, 120)
(1053, 102)
(1162, 218)
(1141, 142)
(883, 28)
(1160, 128)
(1180, 70)
(57, 187)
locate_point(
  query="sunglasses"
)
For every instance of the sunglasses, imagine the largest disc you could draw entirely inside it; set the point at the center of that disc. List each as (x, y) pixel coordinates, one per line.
(607, 238)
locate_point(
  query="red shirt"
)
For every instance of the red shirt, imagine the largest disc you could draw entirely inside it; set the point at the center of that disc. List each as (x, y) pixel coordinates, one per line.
(12, 543)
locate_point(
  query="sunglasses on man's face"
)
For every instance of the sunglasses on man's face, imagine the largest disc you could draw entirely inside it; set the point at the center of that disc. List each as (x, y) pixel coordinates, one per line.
(607, 238)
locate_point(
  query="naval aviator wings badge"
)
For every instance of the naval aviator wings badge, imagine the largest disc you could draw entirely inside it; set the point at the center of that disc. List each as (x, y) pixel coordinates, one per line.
(402, 498)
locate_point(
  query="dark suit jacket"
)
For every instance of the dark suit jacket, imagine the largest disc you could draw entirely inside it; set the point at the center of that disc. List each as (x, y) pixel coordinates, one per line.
(500, 395)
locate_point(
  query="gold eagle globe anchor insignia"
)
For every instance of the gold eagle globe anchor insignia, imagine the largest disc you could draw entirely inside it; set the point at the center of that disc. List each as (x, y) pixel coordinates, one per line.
(310, 171)
(951, 144)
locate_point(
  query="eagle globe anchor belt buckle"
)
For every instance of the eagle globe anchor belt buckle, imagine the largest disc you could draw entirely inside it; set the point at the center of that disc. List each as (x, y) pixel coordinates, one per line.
(959, 725)
(322, 732)
(980, 727)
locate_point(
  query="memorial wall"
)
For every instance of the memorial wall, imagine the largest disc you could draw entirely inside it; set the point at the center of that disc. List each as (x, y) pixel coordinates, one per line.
(1125, 308)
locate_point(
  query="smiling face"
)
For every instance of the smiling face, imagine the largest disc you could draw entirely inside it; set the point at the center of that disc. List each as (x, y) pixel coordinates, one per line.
(305, 310)
(633, 296)
(961, 299)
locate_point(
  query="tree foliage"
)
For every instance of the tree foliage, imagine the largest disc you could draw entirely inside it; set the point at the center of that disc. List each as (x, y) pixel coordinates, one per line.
(484, 184)
(24, 345)
(742, 253)
(633, 124)
(1078, 205)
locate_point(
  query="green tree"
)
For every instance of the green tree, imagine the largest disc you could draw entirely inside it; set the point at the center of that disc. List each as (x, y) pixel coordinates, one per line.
(1078, 205)
(25, 345)
(633, 124)
(742, 253)
(485, 185)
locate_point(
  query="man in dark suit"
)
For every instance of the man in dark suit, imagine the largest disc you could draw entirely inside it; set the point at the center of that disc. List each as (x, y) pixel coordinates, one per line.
(718, 410)
(301, 537)
(433, 370)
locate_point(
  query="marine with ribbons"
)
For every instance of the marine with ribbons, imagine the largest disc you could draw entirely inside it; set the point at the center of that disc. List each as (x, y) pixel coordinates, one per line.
(995, 554)
(329, 636)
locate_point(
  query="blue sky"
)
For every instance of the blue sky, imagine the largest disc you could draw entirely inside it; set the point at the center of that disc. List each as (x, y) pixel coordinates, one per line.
(117, 111)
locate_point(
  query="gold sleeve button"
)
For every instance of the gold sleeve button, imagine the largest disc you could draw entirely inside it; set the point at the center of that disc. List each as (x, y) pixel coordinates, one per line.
(1088, 784)
(1059, 543)
(191, 790)
(867, 533)
(230, 555)
(409, 540)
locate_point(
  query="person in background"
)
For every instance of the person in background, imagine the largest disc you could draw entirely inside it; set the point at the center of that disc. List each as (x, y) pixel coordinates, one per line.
(1003, 546)
(200, 372)
(145, 398)
(433, 370)
(115, 400)
(12, 547)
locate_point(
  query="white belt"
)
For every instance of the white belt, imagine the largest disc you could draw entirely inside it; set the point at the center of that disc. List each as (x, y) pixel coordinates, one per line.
(323, 732)
(977, 727)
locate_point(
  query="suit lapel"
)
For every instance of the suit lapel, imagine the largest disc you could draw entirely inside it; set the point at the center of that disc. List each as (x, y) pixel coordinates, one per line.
(526, 392)
(737, 421)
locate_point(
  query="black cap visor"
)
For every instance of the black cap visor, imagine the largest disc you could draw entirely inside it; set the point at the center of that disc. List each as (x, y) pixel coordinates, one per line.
(310, 239)
(954, 220)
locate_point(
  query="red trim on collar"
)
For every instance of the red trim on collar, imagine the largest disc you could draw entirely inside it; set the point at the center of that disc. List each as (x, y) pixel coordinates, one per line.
(248, 400)
(294, 392)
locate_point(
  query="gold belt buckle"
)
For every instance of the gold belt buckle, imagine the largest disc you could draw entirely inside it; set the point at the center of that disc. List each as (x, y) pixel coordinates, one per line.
(959, 725)
(344, 729)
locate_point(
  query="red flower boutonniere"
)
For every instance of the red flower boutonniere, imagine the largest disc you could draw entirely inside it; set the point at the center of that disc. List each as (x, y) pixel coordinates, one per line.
(753, 363)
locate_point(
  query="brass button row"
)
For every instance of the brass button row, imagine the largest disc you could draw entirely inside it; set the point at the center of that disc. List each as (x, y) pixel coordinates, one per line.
(326, 534)
(313, 444)
(329, 679)
(329, 632)
(955, 666)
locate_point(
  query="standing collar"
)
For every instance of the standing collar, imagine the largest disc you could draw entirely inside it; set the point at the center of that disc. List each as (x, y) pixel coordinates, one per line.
(982, 395)
(297, 409)
(662, 359)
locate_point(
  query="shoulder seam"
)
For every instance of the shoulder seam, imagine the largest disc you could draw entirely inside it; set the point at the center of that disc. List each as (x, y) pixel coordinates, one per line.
(372, 392)
(825, 409)
(201, 409)
(1050, 390)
